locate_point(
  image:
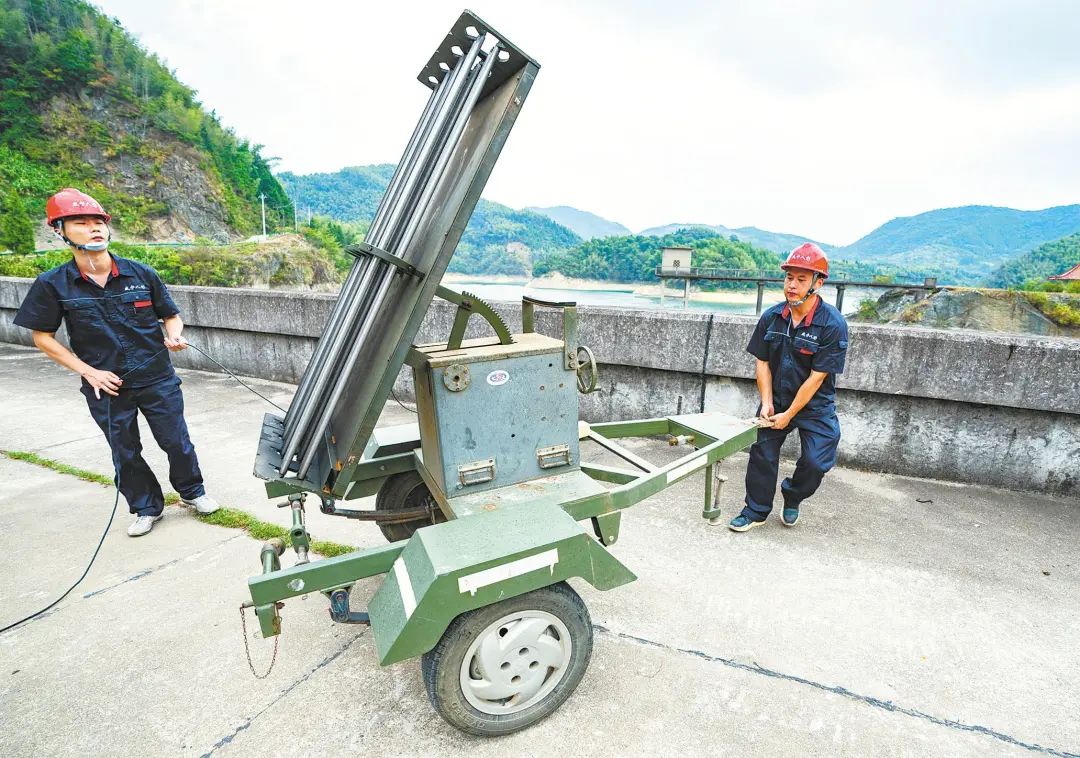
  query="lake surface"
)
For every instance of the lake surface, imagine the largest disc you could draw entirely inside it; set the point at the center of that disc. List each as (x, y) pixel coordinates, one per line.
(622, 298)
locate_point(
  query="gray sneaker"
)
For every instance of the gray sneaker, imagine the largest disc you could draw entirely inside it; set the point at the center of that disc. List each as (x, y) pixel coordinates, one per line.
(203, 504)
(142, 525)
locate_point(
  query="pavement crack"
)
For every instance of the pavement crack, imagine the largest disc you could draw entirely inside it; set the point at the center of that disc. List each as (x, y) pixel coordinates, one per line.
(147, 572)
(133, 578)
(69, 442)
(281, 695)
(874, 702)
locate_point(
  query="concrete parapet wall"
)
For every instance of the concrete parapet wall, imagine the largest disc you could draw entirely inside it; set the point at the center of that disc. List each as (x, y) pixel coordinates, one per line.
(991, 408)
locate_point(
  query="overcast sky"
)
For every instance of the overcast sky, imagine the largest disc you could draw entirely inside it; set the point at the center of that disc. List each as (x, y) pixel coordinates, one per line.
(818, 118)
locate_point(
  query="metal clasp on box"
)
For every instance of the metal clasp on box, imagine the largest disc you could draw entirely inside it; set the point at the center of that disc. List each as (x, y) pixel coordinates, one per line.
(554, 456)
(476, 472)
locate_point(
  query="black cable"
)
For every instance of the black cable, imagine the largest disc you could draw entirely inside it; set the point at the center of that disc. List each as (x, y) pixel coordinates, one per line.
(410, 410)
(234, 376)
(116, 501)
(116, 479)
(108, 525)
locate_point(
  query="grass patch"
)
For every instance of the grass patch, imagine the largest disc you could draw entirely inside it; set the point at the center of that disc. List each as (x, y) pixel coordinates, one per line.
(226, 517)
(868, 311)
(58, 467)
(1063, 310)
(263, 530)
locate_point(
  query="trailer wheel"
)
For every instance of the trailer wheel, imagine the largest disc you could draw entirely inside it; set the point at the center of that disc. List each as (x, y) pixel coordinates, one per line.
(401, 492)
(506, 666)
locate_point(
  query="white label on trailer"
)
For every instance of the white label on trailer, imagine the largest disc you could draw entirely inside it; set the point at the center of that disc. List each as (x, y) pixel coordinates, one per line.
(404, 583)
(498, 378)
(473, 582)
(681, 471)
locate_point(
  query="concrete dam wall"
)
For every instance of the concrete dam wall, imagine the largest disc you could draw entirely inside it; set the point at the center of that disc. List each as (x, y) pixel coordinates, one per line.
(991, 408)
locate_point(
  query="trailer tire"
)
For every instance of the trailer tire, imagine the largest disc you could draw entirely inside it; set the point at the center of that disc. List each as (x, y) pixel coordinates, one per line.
(544, 661)
(403, 491)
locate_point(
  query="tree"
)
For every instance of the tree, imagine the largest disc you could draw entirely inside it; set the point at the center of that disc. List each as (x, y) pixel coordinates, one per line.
(16, 228)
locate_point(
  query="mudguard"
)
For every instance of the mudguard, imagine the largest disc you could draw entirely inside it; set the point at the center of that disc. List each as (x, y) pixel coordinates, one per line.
(447, 569)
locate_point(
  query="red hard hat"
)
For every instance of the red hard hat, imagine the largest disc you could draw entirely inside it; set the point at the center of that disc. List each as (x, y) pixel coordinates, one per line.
(70, 202)
(809, 257)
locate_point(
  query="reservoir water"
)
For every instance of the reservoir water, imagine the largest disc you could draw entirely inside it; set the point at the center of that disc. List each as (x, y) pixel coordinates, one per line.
(626, 298)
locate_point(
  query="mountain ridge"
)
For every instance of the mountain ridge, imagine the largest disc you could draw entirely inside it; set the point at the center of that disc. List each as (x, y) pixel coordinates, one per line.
(497, 240)
(777, 242)
(961, 245)
(967, 243)
(583, 223)
(976, 238)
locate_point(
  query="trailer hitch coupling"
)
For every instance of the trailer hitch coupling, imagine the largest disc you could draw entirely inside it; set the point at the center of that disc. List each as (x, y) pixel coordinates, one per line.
(340, 610)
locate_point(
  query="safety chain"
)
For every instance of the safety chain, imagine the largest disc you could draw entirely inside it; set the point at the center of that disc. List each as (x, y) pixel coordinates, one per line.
(247, 651)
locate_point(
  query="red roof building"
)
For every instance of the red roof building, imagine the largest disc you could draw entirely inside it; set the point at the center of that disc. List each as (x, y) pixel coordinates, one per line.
(1072, 275)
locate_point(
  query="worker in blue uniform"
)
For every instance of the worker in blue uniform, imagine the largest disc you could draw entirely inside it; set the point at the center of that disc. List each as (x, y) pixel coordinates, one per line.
(112, 308)
(800, 346)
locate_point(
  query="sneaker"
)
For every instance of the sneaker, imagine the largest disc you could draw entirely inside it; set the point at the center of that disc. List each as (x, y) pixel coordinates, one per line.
(742, 524)
(203, 504)
(790, 516)
(142, 525)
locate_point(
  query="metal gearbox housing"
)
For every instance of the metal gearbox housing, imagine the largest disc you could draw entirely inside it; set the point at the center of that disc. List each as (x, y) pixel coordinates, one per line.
(493, 415)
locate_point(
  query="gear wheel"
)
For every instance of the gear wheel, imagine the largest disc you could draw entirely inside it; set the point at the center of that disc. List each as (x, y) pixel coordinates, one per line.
(482, 307)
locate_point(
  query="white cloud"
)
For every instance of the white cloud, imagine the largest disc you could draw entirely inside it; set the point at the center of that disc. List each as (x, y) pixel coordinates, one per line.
(824, 118)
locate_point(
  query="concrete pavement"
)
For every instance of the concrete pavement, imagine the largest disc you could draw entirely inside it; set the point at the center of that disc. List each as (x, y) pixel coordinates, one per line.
(879, 625)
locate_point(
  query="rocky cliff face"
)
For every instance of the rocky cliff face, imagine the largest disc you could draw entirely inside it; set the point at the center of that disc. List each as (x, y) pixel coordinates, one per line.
(182, 196)
(984, 310)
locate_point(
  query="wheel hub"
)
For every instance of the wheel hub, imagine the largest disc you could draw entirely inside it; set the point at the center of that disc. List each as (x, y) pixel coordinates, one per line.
(515, 662)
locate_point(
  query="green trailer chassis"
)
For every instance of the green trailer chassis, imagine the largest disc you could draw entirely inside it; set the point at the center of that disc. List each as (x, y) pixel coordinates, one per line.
(500, 543)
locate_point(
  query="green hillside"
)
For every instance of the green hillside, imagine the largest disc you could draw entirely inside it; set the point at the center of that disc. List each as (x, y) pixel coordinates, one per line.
(974, 239)
(498, 239)
(1041, 263)
(83, 104)
(957, 245)
(501, 240)
(777, 242)
(351, 194)
(634, 258)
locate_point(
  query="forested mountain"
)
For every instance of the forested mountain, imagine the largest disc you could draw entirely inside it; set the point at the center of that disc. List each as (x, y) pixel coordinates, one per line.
(498, 239)
(974, 238)
(501, 240)
(777, 242)
(1046, 260)
(582, 223)
(83, 104)
(958, 245)
(634, 258)
(351, 194)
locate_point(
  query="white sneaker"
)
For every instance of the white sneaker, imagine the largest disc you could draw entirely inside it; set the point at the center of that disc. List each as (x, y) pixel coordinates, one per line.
(203, 504)
(142, 525)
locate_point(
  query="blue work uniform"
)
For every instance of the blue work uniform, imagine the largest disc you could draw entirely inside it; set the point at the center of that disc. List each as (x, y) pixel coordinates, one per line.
(115, 328)
(818, 343)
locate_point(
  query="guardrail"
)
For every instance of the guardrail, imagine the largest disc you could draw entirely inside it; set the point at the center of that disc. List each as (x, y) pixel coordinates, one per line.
(761, 278)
